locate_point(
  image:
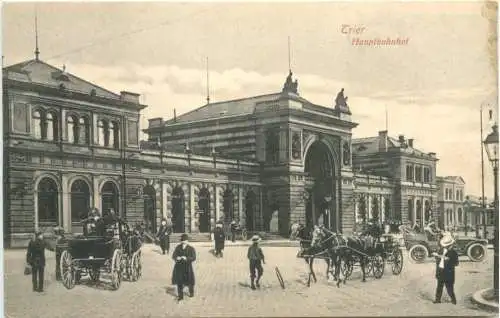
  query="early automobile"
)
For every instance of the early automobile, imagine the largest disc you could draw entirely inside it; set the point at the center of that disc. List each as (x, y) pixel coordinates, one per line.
(421, 245)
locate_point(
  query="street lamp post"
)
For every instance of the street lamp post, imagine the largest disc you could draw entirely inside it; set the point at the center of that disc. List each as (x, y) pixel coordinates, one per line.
(491, 145)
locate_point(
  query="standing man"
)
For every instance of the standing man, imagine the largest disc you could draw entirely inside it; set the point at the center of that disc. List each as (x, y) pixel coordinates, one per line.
(256, 259)
(233, 231)
(219, 238)
(446, 261)
(183, 274)
(164, 236)
(35, 257)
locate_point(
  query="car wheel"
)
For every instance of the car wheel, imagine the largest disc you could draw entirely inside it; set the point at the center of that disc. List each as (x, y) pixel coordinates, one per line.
(418, 253)
(476, 252)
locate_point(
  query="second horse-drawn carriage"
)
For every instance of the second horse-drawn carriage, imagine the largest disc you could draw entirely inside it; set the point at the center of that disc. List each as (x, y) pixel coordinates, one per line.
(106, 247)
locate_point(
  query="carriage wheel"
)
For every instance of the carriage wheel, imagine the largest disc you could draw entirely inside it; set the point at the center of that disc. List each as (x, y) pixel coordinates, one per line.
(67, 270)
(397, 261)
(368, 266)
(94, 273)
(115, 269)
(347, 268)
(244, 235)
(133, 268)
(138, 265)
(378, 266)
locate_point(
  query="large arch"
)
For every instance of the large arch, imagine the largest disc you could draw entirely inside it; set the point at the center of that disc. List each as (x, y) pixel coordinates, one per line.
(204, 210)
(321, 206)
(47, 200)
(178, 213)
(150, 209)
(110, 198)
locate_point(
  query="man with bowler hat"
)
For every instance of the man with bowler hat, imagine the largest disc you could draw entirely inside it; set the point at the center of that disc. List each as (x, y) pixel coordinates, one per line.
(35, 257)
(183, 274)
(219, 238)
(446, 260)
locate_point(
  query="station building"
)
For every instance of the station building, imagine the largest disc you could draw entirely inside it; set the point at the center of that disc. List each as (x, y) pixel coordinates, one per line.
(70, 145)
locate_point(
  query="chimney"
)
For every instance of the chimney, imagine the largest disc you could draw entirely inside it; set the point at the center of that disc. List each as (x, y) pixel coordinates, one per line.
(382, 141)
(410, 143)
(129, 97)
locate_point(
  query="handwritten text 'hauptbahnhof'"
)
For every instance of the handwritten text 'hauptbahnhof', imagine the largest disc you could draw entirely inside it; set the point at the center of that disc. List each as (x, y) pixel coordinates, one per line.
(349, 29)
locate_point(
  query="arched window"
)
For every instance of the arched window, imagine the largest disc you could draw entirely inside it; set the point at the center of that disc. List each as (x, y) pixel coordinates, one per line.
(116, 135)
(103, 127)
(84, 130)
(111, 134)
(72, 129)
(50, 126)
(37, 124)
(457, 196)
(48, 195)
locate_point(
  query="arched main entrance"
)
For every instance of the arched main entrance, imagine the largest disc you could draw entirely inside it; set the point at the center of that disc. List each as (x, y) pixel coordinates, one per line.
(48, 203)
(80, 203)
(321, 204)
(228, 205)
(250, 202)
(150, 209)
(110, 199)
(204, 210)
(178, 210)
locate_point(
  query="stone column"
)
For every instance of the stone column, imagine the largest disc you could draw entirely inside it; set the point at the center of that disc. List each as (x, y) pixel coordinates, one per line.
(65, 205)
(97, 195)
(240, 205)
(164, 199)
(414, 209)
(192, 210)
(382, 208)
(368, 207)
(217, 204)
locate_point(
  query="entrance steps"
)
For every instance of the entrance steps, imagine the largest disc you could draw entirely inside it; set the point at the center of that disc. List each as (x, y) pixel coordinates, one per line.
(193, 237)
(270, 236)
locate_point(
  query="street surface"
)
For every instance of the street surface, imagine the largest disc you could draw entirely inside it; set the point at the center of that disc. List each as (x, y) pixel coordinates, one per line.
(223, 289)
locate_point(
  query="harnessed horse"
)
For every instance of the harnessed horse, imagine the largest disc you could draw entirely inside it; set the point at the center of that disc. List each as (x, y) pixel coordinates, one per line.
(319, 243)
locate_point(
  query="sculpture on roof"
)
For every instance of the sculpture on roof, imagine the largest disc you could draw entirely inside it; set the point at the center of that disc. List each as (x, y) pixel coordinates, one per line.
(290, 86)
(340, 100)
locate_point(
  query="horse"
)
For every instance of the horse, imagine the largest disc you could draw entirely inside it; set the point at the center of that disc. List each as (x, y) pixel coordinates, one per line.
(319, 243)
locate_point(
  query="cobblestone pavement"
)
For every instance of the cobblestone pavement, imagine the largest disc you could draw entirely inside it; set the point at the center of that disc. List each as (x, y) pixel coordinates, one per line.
(223, 290)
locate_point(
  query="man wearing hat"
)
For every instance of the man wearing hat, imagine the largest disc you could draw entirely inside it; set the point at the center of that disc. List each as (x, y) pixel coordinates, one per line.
(219, 238)
(183, 274)
(446, 260)
(256, 258)
(164, 236)
(35, 257)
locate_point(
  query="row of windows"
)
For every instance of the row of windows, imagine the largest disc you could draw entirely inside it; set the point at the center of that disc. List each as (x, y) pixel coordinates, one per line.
(448, 195)
(418, 173)
(46, 127)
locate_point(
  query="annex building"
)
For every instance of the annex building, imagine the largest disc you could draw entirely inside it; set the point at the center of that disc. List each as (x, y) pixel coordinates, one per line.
(70, 145)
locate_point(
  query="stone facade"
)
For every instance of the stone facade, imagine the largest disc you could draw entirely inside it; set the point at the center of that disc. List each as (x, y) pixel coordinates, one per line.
(71, 145)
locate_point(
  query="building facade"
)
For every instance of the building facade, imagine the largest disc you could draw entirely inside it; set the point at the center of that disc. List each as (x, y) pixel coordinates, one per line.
(451, 201)
(71, 145)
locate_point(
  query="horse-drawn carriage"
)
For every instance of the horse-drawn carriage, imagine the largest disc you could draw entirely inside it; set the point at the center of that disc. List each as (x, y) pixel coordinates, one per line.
(111, 249)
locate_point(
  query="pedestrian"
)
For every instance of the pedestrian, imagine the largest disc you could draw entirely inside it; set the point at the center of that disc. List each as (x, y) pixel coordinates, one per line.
(35, 257)
(164, 236)
(233, 231)
(256, 259)
(219, 238)
(183, 274)
(446, 261)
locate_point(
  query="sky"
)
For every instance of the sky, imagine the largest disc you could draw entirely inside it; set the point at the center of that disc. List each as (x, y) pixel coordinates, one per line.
(432, 86)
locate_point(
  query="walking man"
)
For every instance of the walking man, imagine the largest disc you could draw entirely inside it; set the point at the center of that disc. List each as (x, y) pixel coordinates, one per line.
(183, 274)
(256, 259)
(233, 231)
(219, 238)
(35, 257)
(446, 261)
(164, 236)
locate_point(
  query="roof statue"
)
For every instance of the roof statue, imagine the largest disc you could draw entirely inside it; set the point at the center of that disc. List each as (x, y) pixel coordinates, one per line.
(290, 86)
(340, 100)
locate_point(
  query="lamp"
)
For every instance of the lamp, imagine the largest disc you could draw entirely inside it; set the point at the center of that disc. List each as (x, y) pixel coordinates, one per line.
(491, 145)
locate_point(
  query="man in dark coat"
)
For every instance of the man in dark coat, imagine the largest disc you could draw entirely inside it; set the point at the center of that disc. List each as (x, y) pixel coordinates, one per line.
(234, 227)
(164, 236)
(183, 274)
(219, 238)
(35, 257)
(446, 261)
